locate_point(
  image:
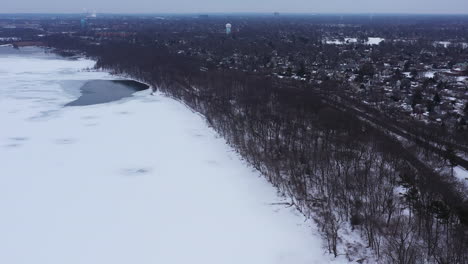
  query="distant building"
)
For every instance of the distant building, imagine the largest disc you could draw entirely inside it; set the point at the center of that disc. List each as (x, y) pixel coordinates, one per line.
(83, 23)
(228, 28)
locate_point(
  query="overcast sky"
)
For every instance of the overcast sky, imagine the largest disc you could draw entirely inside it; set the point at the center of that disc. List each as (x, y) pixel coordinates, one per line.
(205, 6)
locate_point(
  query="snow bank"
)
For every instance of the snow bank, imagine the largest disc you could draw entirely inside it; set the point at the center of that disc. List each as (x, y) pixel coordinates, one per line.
(429, 74)
(339, 42)
(444, 44)
(371, 41)
(374, 41)
(461, 174)
(140, 180)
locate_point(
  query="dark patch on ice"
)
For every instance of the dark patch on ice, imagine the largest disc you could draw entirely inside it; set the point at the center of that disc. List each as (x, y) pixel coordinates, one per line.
(19, 138)
(104, 91)
(91, 124)
(136, 171)
(12, 145)
(151, 99)
(197, 133)
(65, 141)
(123, 113)
(212, 162)
(89, 117)
(43, 114)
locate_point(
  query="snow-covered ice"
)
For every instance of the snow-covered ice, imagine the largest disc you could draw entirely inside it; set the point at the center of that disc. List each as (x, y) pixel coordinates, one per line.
(140, 180)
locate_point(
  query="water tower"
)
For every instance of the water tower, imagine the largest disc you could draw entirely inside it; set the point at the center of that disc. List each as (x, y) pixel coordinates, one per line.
(83, 23)
(228, 28)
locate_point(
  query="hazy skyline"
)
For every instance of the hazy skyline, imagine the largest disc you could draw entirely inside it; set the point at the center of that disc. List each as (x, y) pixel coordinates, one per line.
(207, 6)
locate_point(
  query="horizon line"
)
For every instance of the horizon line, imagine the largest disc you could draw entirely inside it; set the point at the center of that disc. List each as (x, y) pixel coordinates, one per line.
(235, 13)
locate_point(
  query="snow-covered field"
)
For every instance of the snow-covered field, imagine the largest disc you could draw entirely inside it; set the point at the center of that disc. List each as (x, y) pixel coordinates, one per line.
(140, 180)
(371, 41)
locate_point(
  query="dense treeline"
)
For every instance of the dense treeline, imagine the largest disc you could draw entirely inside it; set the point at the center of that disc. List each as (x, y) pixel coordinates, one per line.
(296, 47)
(344, 173)
(394, 77)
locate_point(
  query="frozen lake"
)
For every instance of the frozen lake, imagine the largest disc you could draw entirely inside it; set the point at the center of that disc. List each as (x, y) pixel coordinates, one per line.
(137, 180)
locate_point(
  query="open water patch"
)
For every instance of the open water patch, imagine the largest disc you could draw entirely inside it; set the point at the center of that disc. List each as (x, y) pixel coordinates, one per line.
(106, 91)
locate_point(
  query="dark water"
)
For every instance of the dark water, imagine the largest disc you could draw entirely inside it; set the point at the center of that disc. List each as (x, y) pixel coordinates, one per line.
(104, 91)
(31, 52)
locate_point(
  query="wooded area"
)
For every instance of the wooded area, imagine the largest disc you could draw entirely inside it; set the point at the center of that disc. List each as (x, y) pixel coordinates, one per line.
(335, 168)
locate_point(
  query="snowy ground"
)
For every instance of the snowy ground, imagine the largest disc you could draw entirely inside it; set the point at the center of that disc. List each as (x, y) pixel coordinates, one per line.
(371, 41)
(461, 174)
(140, 180)
(429, 74)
